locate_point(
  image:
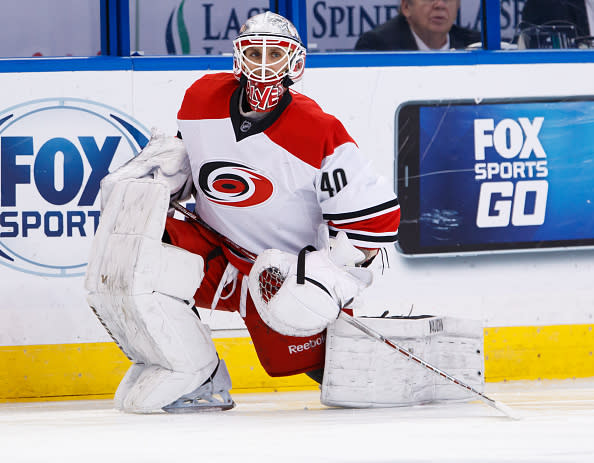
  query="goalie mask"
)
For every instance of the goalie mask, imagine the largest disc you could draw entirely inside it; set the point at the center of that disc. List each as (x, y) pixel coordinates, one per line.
(269, 54)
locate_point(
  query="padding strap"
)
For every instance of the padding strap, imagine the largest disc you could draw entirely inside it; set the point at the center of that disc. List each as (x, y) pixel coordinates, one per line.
(301, 278)
(301, 263)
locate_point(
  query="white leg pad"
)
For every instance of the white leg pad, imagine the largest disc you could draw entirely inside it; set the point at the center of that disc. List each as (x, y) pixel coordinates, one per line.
(142, 291)
(159, 331)
(155, 387)
(363, 372)
(128, 256)
(126, 384)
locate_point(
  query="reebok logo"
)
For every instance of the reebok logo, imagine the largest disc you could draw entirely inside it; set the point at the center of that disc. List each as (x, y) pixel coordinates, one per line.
(311, 344)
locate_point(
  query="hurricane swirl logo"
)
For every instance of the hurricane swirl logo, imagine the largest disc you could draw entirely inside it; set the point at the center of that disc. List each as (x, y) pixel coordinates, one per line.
(232, 184)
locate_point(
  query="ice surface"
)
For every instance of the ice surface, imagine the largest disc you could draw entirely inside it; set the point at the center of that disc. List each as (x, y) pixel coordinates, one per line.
(557, 425)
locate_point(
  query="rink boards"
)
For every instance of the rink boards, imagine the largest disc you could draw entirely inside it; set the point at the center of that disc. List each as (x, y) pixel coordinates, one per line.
(58, 128)
(93, 370)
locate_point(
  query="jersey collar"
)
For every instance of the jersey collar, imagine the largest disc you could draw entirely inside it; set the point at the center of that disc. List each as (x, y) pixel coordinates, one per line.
(244, 126)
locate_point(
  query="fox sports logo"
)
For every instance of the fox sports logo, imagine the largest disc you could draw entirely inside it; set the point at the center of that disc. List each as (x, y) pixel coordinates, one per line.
(53, 154)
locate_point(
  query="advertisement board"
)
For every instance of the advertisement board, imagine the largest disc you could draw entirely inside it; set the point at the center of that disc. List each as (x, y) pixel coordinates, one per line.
(60, 132)
(496, 175)
(206, 27)
(202, 27)
(54, 153)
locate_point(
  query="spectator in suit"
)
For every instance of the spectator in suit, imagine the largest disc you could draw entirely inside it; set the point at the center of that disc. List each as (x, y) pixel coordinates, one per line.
(579, 13)
(421, 25)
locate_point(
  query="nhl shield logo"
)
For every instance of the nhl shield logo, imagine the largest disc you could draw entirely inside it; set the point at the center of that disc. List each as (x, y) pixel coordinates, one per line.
(245, 126)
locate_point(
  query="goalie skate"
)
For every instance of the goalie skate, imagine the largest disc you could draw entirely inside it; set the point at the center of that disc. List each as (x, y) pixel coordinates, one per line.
(212, 395)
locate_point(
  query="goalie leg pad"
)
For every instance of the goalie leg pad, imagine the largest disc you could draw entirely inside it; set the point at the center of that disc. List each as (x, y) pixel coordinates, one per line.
(155, 386)
(164, 335)
(144, 388)
(141, 290)
(362, 372)
(128, 257)
(126, 384)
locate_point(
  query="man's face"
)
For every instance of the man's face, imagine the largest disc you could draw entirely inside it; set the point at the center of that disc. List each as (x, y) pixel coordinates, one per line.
(430, 16)
(270, 61)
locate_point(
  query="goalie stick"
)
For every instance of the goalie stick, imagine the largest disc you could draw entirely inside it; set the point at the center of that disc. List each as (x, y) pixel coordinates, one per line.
(271, 279)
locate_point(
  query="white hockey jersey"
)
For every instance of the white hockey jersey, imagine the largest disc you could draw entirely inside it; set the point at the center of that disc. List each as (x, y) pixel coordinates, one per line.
(270, 183)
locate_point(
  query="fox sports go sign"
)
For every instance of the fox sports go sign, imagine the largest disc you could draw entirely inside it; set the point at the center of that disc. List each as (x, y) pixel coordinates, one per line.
(54, 153)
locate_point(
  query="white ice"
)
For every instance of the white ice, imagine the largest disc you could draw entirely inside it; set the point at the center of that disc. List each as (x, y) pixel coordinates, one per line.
(557, 425)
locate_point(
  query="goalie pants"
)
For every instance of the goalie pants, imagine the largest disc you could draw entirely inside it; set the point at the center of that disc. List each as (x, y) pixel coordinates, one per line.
(280, 355)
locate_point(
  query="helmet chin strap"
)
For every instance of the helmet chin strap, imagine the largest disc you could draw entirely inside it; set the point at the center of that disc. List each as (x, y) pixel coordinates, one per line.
(263, 97)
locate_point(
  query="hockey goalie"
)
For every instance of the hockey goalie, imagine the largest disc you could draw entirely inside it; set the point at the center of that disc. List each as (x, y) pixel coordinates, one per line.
(271, 173)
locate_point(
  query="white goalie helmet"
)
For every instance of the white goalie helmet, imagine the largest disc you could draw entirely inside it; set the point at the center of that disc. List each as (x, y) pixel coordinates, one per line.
(269, 53)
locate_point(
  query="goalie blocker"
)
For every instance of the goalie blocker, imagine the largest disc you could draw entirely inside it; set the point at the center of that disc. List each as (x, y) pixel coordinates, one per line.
(361, 372)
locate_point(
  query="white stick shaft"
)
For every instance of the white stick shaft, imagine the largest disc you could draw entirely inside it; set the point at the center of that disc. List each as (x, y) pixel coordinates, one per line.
(374, 334)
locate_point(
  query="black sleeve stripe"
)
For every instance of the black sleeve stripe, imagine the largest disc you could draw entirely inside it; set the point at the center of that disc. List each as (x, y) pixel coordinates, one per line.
(363, 212)
(368, 238)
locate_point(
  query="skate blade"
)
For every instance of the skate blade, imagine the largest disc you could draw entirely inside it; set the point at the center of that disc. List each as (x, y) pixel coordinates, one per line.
(199, 407)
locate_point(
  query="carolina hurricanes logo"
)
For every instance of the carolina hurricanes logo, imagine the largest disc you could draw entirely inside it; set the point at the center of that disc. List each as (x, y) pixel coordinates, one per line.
(233, 184)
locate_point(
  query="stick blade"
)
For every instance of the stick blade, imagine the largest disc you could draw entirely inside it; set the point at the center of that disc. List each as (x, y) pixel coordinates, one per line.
(506, 410)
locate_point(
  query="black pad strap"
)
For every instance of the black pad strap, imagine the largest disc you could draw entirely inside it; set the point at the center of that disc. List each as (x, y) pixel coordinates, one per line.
(301, 263)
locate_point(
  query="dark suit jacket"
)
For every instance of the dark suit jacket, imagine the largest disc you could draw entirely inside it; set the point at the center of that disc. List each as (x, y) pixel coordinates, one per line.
(395, 34)
(557, 11)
